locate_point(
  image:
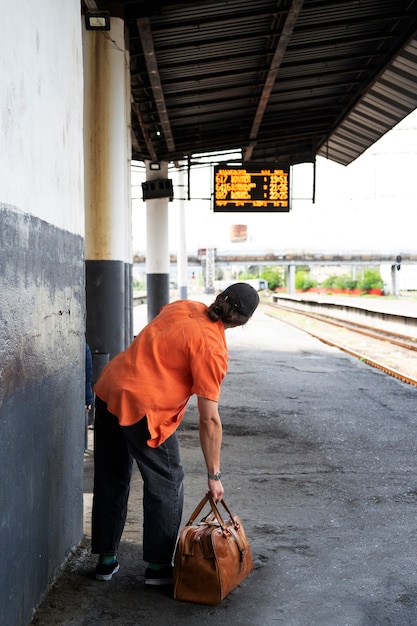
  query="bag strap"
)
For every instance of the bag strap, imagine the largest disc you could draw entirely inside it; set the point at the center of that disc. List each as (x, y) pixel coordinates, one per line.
(233, 529)
(241, 541)
(217, 512)
(228, 510)
(198, 509)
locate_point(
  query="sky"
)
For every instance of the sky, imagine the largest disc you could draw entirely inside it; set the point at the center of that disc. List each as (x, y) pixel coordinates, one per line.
(367, 206)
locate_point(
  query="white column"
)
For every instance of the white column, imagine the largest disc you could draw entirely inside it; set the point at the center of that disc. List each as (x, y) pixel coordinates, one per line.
(107, 159)
(291, 279)
(157, 245)
(182, 244)
(108, 232)
(395, 283)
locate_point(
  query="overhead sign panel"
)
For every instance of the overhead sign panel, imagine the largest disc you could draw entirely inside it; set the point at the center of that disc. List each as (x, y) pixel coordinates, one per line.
(251, 187)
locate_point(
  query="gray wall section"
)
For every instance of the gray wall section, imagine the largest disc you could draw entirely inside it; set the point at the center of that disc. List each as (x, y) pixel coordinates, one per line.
(42, 365)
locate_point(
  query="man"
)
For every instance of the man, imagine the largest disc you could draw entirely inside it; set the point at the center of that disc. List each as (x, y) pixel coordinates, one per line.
(142, 395)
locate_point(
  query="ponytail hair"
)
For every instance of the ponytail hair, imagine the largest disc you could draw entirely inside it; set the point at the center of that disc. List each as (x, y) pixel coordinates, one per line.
(224, 309)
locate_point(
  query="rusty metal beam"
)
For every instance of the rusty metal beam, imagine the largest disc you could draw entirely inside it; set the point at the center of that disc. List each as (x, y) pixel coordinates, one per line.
(148, 142)
(283, 41)
(145, 33)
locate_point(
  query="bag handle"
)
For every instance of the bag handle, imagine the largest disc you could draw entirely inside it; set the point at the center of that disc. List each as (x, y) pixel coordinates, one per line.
(208, 498)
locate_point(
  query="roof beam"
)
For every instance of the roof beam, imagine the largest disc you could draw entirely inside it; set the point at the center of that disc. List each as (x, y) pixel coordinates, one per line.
(91, 5)
(283, 41)
(148, 142)
(144, 28)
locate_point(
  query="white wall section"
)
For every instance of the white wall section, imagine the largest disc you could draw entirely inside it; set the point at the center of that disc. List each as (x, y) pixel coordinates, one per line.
(41, 110)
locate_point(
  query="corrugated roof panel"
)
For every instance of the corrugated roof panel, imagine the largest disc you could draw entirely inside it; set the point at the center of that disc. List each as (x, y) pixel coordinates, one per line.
(392, 96)
(365, 122)
(395, 80)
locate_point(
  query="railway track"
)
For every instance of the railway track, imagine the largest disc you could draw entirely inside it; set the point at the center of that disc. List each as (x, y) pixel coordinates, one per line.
(393, 354)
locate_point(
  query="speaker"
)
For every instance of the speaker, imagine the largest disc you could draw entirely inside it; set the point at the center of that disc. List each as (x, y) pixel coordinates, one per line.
(159, 188)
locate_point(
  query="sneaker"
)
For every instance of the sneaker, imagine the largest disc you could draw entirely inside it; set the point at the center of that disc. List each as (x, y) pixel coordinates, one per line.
(158, 576)
(105, 572)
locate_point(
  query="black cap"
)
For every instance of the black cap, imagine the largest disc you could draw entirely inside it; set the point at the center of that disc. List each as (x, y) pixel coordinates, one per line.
(244, 298)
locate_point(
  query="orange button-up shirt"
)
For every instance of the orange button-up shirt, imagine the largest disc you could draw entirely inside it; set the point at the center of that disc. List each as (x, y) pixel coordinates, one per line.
(181, 352)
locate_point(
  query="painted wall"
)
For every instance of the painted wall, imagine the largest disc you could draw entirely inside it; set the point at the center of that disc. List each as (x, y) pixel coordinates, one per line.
(42, 301)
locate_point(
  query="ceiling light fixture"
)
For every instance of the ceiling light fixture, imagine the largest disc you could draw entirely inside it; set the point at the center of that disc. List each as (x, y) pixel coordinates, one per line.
(97, 20)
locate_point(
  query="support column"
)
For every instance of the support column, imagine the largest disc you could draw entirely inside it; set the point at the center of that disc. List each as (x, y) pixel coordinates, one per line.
(210, 269)
(395, 283)
(157, 246)
(182, 244)
(291, 279)
(108, 231)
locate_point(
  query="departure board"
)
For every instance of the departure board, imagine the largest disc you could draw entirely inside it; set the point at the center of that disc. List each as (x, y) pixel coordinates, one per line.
(251, 187)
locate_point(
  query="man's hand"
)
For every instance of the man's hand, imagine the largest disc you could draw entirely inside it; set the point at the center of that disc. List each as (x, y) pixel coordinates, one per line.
(216, 489)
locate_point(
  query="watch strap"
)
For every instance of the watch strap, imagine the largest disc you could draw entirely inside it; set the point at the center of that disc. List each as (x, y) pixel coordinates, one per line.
(215, 476)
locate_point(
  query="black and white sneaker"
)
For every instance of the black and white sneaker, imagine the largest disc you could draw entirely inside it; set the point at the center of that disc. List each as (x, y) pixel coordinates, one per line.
(105, 572)
(158, 576)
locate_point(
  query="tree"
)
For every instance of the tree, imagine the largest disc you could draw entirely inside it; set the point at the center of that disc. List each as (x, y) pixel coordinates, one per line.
(340, 281)
(303, 280)
(273, 276)
(371, 280)
(218, 273)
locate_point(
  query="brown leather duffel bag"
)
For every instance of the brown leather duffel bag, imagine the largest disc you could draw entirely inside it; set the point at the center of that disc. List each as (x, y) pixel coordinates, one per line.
(212, 557)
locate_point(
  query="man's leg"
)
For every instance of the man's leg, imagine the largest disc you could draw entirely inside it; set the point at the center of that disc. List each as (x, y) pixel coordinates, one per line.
(112, 472)
(163, 491)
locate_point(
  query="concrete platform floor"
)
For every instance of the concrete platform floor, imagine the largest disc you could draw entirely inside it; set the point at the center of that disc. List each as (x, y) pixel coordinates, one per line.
(319, 460)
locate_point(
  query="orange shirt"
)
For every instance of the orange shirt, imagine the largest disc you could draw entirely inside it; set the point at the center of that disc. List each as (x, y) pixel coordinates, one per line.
(181, 352)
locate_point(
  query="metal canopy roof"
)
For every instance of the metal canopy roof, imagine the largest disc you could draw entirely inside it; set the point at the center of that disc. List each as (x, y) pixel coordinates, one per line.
(280, 80)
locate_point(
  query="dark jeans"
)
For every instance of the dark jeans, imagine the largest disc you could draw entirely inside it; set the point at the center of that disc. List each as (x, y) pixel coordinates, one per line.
(115, 448)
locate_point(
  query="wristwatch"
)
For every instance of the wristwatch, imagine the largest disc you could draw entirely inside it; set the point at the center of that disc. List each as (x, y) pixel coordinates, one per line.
(215, 476)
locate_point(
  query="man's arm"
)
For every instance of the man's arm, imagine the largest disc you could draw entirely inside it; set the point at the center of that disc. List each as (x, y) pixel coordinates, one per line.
(211, 441)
